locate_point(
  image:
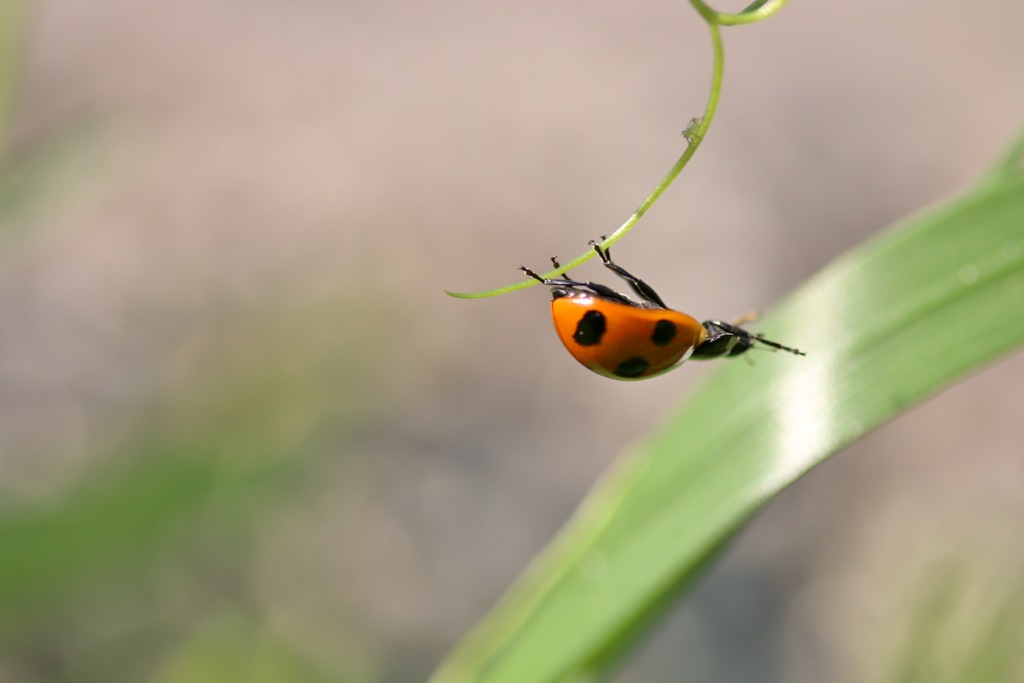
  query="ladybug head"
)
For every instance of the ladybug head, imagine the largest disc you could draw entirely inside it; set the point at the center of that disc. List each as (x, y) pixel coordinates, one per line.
(739, 345)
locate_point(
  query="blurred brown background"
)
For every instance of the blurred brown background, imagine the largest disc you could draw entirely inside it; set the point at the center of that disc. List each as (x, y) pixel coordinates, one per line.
(244, 430)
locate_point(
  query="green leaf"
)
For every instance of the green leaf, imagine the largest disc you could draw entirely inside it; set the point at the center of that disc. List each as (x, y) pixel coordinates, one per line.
(885, 326)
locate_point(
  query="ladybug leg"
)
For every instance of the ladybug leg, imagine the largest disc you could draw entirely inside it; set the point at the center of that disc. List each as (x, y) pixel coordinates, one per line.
(557, 265)
(597, 288)
(777, 345)
(722, 340)
(644, 290)
(552, 282)
(725, 340)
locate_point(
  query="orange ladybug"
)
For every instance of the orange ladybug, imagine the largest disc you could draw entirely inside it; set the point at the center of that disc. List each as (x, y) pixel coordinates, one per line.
(619, 337)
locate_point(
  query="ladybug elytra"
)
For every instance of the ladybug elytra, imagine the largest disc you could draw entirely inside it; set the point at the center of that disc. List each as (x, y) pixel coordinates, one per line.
(626, 339)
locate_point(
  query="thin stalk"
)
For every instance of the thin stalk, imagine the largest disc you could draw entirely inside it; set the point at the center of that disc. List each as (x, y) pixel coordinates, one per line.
(694, 134)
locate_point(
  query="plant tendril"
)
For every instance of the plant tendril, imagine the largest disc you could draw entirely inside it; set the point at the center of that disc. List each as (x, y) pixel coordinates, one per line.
(694, 134)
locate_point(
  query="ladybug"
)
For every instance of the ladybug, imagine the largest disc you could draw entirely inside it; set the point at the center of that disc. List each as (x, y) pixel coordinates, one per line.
(625, 339)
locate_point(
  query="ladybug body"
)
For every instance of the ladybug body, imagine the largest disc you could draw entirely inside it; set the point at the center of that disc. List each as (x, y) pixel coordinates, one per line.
(621, 341)
(622, 338)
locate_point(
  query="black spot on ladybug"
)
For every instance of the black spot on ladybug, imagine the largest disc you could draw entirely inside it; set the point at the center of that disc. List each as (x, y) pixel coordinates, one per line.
(632, 367)
(664, 332)
(590, 329)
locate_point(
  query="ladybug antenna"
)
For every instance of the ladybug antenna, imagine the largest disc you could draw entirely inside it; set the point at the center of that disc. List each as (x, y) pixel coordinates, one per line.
(775, 346)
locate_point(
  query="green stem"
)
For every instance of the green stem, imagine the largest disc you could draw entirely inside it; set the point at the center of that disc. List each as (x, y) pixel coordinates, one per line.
(694, 133)
(756, 11)
(694, 138)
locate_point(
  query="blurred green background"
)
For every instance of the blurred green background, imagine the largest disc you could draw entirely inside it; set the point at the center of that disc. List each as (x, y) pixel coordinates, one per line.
(245, 436)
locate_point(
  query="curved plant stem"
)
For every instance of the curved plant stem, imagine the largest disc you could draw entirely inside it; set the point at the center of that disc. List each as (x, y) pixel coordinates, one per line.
(694, 134)
(756, 11)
